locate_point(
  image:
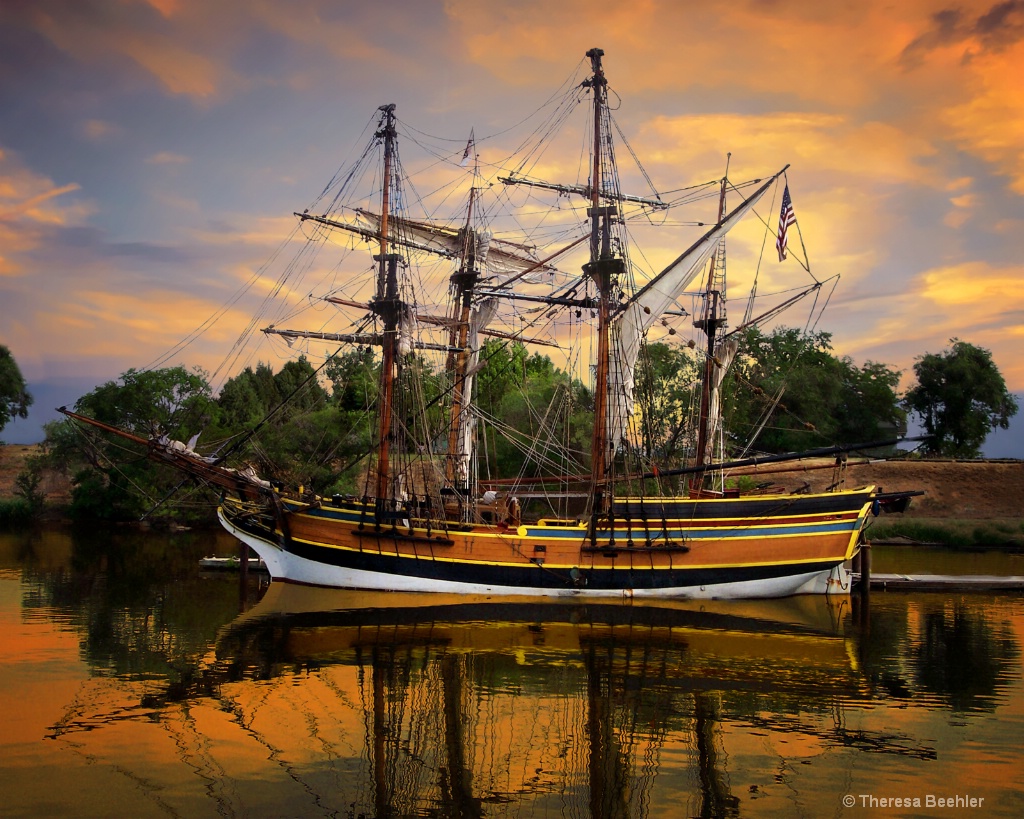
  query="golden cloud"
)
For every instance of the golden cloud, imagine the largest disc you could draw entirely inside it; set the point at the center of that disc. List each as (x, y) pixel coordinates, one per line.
(28, 202)
(990, 124)
(987, 301)
(167, 158)
(96, 323)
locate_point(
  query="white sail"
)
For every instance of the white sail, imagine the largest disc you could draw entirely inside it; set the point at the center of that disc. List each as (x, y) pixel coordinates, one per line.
(647, 306)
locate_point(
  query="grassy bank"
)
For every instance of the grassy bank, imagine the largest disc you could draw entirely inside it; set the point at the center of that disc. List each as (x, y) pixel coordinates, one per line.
(998, 533)
(14, 512)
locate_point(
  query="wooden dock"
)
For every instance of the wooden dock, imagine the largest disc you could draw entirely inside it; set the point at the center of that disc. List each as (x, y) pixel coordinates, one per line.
(231, 564)
(941, 582)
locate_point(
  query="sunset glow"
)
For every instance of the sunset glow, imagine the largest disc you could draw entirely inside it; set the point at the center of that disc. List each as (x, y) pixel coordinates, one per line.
(153, 152)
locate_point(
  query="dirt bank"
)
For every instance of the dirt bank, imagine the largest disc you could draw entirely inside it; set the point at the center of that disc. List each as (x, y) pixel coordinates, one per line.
(981, 490)
(13, 461)
(976, 490)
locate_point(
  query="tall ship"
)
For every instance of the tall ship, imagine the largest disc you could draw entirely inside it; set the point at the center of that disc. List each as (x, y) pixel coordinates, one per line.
(588, 505)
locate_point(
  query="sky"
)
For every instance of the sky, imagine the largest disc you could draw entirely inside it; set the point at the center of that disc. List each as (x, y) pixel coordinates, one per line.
(152, 151)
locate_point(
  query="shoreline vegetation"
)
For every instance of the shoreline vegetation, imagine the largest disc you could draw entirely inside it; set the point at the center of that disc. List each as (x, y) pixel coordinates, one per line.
(1006, 534)
(977, 504)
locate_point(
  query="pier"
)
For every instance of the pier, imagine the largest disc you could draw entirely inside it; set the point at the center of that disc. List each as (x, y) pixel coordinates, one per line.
(939, 582)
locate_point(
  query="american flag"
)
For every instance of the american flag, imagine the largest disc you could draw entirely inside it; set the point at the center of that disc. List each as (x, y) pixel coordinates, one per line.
(786, 218)
(469, 149)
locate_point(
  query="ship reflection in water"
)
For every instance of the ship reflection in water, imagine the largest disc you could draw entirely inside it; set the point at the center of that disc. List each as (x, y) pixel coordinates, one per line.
(448, 707)
(334, 703)
(345, 703)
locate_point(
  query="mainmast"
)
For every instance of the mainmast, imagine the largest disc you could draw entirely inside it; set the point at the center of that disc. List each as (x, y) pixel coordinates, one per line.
(604, 270)
(388, 306)
(457, 468)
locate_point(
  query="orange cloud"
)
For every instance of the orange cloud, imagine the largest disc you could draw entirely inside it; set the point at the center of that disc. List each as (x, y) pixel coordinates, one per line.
(98, 130)
(28, 201)
(907, 83)
(176, 62)
(167, 158)
(96, 324)
(990, 124)
(976, 301)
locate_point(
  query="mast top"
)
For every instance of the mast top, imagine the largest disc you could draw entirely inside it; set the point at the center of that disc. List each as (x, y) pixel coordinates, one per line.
(598, 80)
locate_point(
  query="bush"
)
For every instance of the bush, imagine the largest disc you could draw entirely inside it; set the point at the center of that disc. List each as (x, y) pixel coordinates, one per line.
(14, 512)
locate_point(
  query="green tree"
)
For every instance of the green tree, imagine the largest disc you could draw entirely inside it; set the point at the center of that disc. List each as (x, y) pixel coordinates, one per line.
(113, 479)
(173, 400)
(302, 435)
(960, 396)
(239, 404)
(354, 377)
(14, 397)
(297, 386)
(824, 400)
(539, 419)
(667, 392)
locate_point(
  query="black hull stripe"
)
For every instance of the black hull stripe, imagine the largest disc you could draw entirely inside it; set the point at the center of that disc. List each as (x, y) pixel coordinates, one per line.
(539, 576)
(740, 507)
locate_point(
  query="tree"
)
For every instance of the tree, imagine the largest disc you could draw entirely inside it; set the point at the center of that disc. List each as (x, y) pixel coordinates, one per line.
(960, 396)
(354, 378)
(668, 392)
(114, 480)
(297, 385)
(824, 399)
(173, 400)
(14, 397)
(536, 418)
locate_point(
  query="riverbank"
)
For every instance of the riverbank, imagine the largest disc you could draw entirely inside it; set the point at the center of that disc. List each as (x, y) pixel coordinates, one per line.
(968, 500)
(966, 504)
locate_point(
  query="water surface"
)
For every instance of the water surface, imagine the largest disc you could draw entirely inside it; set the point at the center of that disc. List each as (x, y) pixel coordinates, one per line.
(131, 683)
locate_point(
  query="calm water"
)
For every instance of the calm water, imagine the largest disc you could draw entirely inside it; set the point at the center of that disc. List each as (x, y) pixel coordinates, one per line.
(133, 684)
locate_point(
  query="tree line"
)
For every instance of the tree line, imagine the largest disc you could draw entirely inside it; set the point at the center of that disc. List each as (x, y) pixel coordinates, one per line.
(786, 390)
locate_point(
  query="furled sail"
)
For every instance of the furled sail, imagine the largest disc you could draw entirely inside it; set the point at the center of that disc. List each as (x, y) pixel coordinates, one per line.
(482, 315)
(647, 306)
(504, 258)
(723, 360)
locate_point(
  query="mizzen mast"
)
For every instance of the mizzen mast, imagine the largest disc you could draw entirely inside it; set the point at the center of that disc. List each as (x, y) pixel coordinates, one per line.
(711, 321)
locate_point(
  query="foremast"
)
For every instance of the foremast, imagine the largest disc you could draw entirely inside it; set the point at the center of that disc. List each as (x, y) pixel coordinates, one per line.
(388, 306)
(604, 269)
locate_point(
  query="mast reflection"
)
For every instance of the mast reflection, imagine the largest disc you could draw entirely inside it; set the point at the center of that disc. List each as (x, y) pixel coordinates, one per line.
(467, 705)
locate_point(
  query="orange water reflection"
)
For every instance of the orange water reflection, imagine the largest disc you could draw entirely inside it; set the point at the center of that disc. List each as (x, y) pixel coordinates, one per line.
(154, 696)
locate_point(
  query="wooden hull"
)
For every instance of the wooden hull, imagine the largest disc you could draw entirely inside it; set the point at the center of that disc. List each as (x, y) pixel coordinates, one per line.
(769, 546)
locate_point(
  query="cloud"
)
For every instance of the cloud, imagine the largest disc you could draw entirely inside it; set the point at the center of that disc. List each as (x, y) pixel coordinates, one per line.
(981, 303)
(140, 119)
(167, 158)
(30, 205)
(97, 130)
(995, 29)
